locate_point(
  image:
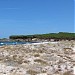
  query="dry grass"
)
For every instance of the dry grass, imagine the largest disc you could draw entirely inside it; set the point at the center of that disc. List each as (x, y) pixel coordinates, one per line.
(42, 62)
(68, 73)
(37, 55)
(32, 72)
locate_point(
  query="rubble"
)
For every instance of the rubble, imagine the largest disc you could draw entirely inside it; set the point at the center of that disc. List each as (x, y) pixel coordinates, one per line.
(38, 59)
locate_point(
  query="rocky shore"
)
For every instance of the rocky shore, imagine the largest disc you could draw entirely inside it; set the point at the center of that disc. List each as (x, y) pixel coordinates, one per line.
(48, 58)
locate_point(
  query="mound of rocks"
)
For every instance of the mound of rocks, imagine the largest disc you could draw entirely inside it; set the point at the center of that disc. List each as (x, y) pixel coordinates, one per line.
(38, 59)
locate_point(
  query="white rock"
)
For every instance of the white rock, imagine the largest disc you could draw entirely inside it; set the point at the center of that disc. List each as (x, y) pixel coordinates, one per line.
(42, 74)
(74, 70)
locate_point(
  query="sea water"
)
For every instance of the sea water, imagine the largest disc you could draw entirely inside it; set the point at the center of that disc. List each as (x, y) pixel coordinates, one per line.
(12, 43)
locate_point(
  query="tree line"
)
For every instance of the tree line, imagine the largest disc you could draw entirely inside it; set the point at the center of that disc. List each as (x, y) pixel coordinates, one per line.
(60, 35)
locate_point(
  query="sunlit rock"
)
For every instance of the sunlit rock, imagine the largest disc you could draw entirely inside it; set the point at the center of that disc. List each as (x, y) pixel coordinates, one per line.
(45, 58)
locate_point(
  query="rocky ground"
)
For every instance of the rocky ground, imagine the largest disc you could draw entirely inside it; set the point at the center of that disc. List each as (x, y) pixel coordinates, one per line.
(38, 59)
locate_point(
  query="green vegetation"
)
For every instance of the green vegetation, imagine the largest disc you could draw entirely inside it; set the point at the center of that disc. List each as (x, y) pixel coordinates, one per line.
(57, 36)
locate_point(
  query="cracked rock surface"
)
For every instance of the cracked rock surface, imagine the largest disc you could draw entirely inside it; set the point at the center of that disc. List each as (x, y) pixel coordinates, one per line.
(38, 59)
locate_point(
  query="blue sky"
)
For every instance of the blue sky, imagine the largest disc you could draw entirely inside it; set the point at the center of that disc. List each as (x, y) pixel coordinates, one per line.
(36, 16)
